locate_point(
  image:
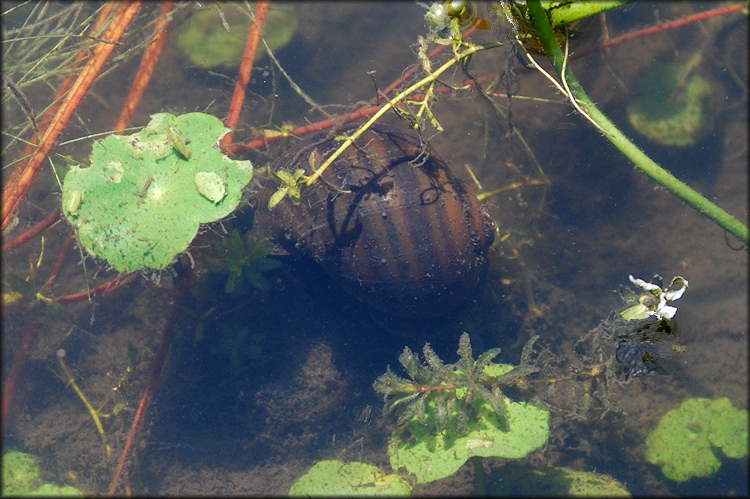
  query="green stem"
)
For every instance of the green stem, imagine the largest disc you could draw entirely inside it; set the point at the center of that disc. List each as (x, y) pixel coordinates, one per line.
(568, 12)
(641, 160)
(430, 78)
(481, 478)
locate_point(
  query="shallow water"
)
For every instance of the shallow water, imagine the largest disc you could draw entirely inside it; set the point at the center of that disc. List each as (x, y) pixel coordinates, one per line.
(260, 385)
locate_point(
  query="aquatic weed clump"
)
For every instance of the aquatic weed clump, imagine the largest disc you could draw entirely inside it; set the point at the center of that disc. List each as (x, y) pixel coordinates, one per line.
(436, 388)
(448, 413)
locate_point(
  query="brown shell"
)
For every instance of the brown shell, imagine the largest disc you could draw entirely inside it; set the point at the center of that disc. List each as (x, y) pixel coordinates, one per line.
(409, 239)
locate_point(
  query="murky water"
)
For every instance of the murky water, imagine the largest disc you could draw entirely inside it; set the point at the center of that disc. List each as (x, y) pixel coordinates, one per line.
(261, 384)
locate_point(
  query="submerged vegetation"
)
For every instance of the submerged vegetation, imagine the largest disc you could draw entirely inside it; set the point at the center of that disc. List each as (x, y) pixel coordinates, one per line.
(448, 413)
(141, 203)
(451, 393)
(244, 261)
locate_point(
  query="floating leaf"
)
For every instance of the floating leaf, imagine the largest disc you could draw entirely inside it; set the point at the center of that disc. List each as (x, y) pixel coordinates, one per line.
(432, 457)
(687, 440)
(216, 40)
(672, 106)
(141, 201)
(520, 480)
(337, 478)
(450, 412)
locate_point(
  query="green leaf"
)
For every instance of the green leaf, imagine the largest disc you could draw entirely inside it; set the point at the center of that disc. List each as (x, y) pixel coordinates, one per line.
(565, 12)
(141, 201)
(276, 197)
(728, 430)
(337, 478)
(242, 258)
(432, 456)
(683, 442)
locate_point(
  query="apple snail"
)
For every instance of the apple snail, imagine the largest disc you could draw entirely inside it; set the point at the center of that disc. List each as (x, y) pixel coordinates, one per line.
(387, 221)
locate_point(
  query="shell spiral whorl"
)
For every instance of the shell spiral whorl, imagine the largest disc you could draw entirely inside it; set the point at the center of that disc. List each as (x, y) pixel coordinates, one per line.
(409, 238)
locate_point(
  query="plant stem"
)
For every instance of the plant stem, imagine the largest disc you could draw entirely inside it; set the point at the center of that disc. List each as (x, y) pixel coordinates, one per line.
(246, 68)
(393, 102)
(641, 160)
(15, 189)
(480, 477)
(146, 69)
(568, 12)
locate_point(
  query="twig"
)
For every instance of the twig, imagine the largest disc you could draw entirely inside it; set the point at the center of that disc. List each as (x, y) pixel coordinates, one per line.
(11, 184)
(60, 260)
(720, 11)
(70, 380)
(19, 361)
(108, 286)
(34, 231)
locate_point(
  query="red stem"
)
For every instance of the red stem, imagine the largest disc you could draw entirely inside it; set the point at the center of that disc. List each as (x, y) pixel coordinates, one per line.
(34, 231)
(245, 69)
(662, 27)
(12, 182)
(19, 361)
(60, 260)
(233, 149)
(161, 355)
(147, 67)
(108, 286)
(15, 191)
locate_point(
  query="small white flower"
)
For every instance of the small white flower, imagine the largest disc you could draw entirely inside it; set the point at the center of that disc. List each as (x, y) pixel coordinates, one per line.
(655, 301)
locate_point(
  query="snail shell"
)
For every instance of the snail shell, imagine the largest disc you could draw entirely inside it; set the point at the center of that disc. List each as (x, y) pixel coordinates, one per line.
(390, 223)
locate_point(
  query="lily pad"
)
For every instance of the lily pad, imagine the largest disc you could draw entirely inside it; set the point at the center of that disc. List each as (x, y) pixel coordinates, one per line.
(521, 480)
(687, 441)
(434, 456)
(337, 478)
(21, 478)
(671, 107)
(143, 198)
(728, 430)
(213, 40)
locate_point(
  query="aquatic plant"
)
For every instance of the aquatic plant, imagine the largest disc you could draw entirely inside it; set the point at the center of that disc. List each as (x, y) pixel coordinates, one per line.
(689, 440)
(216, 38)
(21, 478)
(141, 201)
(337, 478)
(671, 106)
(243, 260)
(518, 479)
(654, 301)
(543, 28)
(448, 413)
